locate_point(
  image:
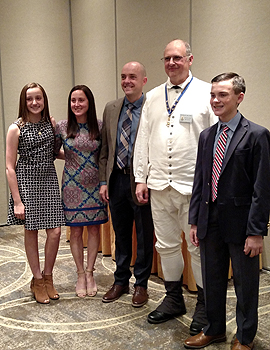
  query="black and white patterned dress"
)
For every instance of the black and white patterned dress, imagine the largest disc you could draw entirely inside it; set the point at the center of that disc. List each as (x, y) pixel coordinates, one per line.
(37, 179)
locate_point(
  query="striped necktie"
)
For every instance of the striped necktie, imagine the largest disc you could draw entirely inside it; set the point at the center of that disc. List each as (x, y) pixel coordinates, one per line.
(122, 155)
(218, 159)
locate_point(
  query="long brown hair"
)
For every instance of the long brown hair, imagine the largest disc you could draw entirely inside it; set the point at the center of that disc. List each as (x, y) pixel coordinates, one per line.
(23, 111)
(92, 123)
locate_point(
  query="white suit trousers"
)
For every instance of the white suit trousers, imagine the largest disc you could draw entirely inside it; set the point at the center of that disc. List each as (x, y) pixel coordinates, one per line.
(170, 216)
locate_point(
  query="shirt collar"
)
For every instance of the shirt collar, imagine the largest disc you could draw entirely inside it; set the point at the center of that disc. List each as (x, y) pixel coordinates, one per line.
(136, 104)
(182, 85)
(232, 124)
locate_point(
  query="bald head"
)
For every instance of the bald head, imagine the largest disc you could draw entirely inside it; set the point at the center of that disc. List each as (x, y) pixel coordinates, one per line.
(177, 61)
(133, 79)
(136, 65)
(180, 43)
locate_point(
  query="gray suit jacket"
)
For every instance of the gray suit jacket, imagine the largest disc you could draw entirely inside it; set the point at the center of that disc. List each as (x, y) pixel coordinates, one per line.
(109, 134)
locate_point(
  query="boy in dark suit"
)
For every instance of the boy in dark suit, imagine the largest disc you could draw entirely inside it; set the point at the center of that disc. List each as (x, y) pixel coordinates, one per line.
(229, 212)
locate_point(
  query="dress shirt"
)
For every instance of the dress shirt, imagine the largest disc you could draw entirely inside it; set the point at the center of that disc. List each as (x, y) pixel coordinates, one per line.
(136, 111)
(232, 125)
(173, 93)
(166, 155)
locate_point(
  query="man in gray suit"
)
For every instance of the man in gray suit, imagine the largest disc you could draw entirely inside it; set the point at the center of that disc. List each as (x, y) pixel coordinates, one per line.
(120, 122)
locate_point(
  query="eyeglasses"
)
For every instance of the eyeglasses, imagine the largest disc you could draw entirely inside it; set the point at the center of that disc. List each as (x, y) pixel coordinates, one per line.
(176, 59)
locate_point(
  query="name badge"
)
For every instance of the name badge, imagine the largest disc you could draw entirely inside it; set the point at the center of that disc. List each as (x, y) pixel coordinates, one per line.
(185, 118)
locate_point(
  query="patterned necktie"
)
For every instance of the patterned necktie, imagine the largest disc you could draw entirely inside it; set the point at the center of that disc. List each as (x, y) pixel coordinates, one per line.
(122, 156)
(218, 159)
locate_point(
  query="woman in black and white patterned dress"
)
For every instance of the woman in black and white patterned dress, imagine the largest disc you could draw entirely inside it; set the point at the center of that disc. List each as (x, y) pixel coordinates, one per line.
(35, 197)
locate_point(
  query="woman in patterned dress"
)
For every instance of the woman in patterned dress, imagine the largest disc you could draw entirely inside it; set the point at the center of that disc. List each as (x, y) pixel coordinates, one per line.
(35, 197)
(80, 137)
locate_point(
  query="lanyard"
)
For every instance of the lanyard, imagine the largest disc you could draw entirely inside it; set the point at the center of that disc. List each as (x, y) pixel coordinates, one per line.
(175, 102)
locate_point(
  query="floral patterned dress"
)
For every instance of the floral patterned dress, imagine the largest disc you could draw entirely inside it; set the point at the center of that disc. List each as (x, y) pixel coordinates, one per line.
(80, 181)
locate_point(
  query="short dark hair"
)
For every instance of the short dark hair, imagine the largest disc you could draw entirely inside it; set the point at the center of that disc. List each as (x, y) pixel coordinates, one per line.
(238, 82)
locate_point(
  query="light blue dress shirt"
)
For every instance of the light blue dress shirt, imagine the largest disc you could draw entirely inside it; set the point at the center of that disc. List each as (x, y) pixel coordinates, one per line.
(232, 125)
(136, 111)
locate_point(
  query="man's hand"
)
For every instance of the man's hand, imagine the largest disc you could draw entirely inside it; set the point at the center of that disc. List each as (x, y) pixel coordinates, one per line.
(253, 245)
(103, 191)
(193, 236)
(142, 193)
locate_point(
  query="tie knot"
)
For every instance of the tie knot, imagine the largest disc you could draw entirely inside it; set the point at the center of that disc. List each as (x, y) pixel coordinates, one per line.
(224, 128)
(130, 106)
(176, 87)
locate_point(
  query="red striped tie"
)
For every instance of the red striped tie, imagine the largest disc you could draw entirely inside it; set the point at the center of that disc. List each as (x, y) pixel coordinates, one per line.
(218, 159)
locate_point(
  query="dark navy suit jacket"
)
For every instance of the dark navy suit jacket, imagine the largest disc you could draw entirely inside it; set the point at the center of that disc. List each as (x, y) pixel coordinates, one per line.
(243, 198)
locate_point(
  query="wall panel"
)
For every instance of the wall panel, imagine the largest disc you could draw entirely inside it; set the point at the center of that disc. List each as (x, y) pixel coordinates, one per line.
(234, 36)
(143, 31)
(3, 188)
(93, 24)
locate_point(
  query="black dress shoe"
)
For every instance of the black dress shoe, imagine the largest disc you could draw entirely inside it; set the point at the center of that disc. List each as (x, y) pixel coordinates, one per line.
(159, 317)
(195, 328)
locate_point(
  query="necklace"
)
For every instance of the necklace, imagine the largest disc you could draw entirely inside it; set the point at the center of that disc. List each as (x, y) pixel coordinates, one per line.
(39, 128)
(170, 110)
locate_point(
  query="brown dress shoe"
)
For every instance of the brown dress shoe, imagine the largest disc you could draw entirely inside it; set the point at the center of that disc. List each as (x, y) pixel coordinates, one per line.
(140, 296)
(201, 340)
(115, 293)
(238, 346)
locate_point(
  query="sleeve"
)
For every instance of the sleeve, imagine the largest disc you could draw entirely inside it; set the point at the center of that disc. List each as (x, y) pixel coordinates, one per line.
(260, 205)
(141, 150)
(197, 186)
(58, 138)
(103, 157)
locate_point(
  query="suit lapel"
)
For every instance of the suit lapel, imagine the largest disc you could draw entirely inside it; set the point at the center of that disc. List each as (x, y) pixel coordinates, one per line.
(114, 117)
(208, 152)
(239, 133)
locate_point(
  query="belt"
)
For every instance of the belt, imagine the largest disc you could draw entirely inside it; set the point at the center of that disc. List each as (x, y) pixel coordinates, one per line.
(125, 171)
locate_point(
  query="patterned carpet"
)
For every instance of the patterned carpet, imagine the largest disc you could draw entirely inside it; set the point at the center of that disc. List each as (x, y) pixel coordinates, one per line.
(88, 323)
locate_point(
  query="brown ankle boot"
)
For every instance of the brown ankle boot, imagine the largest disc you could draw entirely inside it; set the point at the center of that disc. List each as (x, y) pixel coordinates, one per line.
(39, 291)
(51, 291)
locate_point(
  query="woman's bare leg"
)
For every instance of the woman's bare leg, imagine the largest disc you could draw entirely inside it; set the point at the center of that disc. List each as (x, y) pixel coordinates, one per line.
(92, 251)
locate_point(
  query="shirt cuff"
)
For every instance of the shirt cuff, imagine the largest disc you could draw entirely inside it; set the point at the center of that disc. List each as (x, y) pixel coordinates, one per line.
(140, 180)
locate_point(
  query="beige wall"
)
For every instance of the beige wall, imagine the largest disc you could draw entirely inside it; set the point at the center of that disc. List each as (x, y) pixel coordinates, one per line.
(233, 35)
(3, 187)
(94, 48)
(144, 30)
(36, 45)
